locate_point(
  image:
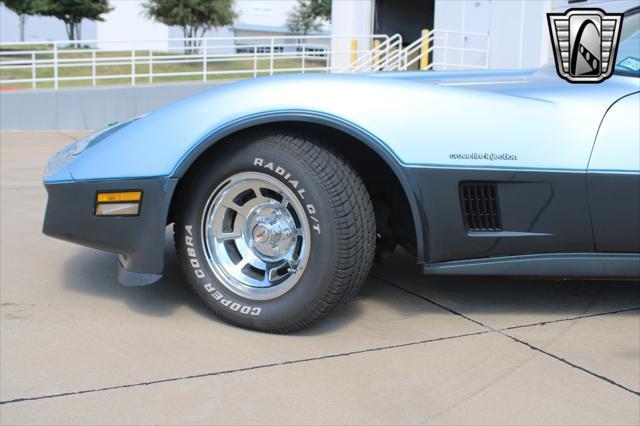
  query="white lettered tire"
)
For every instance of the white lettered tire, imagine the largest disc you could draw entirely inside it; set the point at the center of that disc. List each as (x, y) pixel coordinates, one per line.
(274, 231)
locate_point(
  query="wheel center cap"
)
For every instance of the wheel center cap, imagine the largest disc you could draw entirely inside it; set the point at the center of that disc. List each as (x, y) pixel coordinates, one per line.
(271, 232)
(261, 233)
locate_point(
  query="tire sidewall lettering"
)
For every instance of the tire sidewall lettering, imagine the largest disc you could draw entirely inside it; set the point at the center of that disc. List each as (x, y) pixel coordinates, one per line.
(208, 286)
(294, 184)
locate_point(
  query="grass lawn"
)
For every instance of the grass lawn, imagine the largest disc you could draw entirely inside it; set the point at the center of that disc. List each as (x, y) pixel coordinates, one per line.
(112, 65)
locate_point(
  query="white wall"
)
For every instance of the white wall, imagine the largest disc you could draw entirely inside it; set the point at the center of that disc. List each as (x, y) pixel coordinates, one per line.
(260, 12)
(519, 34)
(517, 30)
(460, 16)
(349, 17)
(127, 21)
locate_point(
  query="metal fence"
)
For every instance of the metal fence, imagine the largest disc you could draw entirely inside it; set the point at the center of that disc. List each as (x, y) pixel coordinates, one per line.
(93, 62)
(434, 50)
(131, 62)
(449, 50)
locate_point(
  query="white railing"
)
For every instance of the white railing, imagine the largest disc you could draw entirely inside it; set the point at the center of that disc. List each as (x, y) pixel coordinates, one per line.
(436, 49)
(56, 64)
(59, 63)
(383, 56)
(449, 50)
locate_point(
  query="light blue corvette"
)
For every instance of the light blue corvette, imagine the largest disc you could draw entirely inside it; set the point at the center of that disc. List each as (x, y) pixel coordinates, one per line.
(283, 190)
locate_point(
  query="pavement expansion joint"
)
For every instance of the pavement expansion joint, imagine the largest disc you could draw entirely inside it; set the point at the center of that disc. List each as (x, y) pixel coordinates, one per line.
(488, 329)
(240, 370)
(543, 323)
(522, 342)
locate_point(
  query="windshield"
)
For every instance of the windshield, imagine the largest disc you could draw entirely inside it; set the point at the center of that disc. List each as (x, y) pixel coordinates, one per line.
(628, 59)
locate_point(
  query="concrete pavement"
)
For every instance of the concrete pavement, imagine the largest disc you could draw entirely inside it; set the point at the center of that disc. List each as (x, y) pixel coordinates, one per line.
(78, 348)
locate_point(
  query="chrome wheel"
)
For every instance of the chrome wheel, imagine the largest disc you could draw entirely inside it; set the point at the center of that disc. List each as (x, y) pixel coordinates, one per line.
(256, 236)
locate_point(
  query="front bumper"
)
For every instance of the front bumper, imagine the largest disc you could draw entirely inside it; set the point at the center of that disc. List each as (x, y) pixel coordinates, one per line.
(139, 240)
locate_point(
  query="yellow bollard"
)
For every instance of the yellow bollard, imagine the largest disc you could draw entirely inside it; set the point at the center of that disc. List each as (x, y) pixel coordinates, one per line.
(376, 54)
(354, 52)
(424, 49)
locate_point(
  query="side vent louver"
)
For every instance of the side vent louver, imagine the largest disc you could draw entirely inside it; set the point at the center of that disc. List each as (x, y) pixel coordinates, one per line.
(480, 207)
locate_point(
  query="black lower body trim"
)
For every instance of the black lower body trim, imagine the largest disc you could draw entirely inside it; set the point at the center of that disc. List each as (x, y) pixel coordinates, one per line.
(135, 279)
(139, 240)
(591, 265)
(539, 211)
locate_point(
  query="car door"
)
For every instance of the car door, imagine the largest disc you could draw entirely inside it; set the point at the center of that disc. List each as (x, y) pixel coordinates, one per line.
(613, 178)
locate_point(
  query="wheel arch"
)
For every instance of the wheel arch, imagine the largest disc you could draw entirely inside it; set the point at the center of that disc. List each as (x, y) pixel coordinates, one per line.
(312, 122)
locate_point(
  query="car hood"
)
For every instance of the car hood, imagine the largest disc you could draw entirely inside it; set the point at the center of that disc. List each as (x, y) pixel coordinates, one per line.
(541, 84)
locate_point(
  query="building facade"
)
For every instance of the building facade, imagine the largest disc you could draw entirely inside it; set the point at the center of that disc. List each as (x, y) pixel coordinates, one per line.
(128, 21)
(496, 34)
(515, 29)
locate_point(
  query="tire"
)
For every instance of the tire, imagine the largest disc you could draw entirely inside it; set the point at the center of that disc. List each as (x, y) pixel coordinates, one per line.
(303, 234)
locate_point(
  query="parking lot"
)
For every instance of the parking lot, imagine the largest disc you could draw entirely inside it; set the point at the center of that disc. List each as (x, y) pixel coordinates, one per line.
(78, 348)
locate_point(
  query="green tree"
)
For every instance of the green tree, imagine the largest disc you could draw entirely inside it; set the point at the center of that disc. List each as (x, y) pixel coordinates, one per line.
(22, 8)
(321, 9)
(72, 12)
(194, 17)
(308, 16)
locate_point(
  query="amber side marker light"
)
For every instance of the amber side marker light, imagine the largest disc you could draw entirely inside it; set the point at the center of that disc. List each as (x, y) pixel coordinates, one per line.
(118, 203)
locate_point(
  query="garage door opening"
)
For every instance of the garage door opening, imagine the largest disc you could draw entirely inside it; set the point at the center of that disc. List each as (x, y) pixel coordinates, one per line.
(407, 18)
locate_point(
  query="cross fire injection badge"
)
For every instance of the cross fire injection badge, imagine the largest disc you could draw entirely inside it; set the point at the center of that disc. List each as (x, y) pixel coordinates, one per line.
(585, 43)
